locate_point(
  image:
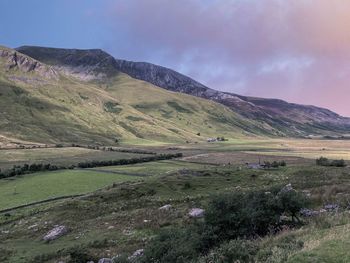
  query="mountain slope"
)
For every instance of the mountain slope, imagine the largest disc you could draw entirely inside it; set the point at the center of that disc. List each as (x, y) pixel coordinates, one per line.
(288, 118)
(59, 107)
(275, 117)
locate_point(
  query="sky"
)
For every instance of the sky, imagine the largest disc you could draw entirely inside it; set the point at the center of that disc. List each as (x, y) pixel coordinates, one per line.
(296, 50)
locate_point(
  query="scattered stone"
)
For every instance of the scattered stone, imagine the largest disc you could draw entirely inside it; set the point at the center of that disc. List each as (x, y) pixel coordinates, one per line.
(32, 226)
(287, 188)
(55, 233)
(146, 221)
(308, 212)
(138, 253)
(105, 260)
(331, 207)
(110, 227)
(165, 207)
(196, 212)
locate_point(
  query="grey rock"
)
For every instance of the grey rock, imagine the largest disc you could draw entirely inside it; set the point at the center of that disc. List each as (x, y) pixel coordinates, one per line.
(136, 254)
(308, 212)
(196, 212)
(105, 260)
(287, 188)
(55, 233)
(331, 207)
(165, 207)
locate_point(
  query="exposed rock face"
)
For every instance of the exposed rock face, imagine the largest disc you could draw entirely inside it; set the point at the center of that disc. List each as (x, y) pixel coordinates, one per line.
(92, 64)
(55, 233)
(26, 64)
(196, 213)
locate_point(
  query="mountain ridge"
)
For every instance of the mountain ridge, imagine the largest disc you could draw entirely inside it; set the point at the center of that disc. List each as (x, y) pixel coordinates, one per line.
(289, 119)
(104, 109)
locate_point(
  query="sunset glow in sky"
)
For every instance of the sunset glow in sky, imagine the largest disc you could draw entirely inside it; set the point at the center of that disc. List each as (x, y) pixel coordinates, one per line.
(297, 50)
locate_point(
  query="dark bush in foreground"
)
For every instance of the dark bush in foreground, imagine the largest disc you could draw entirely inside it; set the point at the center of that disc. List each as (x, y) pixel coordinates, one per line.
(251, 214)
(232, 223)
(322, 161)
(174, 245)
(237, 250)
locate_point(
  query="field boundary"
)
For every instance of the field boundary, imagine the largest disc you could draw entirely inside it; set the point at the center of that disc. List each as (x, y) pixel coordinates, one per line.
(40, 202)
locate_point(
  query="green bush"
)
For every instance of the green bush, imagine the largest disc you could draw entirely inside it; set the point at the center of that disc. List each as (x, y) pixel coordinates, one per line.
(247, 215)
(230, 220)
(79, 255)
(233, 251)
(322, 161)
(121, 259)
(174, 245)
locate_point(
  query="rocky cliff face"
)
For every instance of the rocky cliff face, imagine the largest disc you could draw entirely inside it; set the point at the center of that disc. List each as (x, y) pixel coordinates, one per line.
(93, 64)
(15, 60)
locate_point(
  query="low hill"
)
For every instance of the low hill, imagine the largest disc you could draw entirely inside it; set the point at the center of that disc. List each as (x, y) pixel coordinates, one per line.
(86, 103)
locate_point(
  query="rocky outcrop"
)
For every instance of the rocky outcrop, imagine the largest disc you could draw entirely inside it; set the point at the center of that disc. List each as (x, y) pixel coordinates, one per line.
(55, 233)
(90, 64)
(15, 60)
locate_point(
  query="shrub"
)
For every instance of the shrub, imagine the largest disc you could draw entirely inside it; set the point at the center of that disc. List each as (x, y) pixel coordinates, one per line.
(236, 250)
(174, 245)
(322, 161)
(78, 255)
(123, 258)
(245, 215)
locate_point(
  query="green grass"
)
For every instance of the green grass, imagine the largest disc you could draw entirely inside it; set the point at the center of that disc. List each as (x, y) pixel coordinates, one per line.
(40, 186)
(158, 168)
(39, 109)
(126, 206)
(59, 156)
(44, 185)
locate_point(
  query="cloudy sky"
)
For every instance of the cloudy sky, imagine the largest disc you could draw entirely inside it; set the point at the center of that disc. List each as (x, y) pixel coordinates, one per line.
(297, 50)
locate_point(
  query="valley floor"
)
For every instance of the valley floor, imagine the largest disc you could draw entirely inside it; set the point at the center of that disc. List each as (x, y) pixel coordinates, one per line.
(117, 210)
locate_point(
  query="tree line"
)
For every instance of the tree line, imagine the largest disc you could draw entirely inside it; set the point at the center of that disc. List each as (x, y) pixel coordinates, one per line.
(40, 167)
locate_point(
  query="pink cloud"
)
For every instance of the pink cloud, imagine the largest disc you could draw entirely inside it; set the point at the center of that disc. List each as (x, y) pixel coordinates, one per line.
(298, 50)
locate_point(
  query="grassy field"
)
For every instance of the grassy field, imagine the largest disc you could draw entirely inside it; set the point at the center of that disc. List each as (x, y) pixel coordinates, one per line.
(58, 156)
(124, 216)
(30, 188)
(39, 186)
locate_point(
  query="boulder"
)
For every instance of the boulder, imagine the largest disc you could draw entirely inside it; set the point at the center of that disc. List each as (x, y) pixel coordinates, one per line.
(55, 233)
(308, 212)
(287, 188)
(165, 207)
(105, 260)
(331, 207)
(196, 212)
(136, 254)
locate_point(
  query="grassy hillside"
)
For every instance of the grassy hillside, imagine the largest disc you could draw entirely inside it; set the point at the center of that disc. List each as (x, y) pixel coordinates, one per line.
(38, 108)
(125, 216)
